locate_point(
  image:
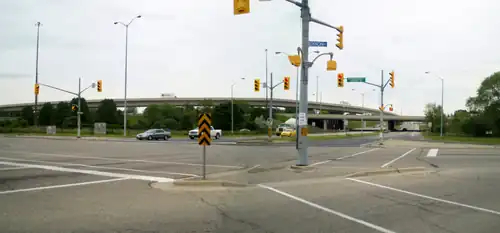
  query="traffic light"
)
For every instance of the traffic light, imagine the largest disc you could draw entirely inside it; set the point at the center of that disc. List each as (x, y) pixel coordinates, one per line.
(294, 60)
(331, 65)
(340, 38)
(286, 83)
(99, 85)
(340, 79)
(74, 107)
(241, 7)
(391, 79)
(37, 89)
(256, 85)
(390, 108)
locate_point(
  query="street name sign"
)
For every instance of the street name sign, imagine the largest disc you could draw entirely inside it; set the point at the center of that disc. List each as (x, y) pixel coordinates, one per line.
(318, 43)
(356, 80)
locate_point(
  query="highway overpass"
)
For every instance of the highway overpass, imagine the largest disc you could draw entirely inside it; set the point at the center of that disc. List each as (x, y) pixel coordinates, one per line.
(366, 118)
(144, 102)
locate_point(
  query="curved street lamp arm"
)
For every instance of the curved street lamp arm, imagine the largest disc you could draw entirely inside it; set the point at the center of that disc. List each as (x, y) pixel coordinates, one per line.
(119, 22)
(331, 56)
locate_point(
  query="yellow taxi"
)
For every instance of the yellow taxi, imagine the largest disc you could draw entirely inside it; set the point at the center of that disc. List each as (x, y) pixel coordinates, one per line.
(288, 133)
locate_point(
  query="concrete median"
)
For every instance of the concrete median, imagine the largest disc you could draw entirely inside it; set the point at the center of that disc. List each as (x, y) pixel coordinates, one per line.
(386, 171)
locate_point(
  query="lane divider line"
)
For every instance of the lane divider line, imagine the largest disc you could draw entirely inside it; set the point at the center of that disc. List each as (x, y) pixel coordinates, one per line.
(99, 167)
(342, 215)
(89, 172)
(427, 197)
(123, 160)
(61, 186)
(432, 153)
(343, 157)
(11, 168)
(396, 159)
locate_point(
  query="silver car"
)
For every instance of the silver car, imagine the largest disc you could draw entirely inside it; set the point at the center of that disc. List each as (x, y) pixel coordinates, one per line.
(154, 134)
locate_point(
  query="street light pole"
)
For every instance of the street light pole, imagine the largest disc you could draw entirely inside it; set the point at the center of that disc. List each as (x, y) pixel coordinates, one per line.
(232, 104)
(35, 116)
(267, 84)
(126, 71)
(442, 103)
(317, 87)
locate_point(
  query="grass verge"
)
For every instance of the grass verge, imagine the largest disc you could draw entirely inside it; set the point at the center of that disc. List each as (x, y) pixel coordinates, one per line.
(464, 139)
(328, 137)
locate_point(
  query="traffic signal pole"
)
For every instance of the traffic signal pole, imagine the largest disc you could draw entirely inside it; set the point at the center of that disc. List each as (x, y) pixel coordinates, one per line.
(302, 143)
(271, 89)
(35, 118)
(78, 95)
(382, 88)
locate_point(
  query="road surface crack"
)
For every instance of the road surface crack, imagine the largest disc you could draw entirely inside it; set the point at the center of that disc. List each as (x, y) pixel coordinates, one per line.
(224, 214)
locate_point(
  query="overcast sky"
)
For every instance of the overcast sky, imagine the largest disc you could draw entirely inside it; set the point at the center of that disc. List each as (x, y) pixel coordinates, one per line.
(197, 48)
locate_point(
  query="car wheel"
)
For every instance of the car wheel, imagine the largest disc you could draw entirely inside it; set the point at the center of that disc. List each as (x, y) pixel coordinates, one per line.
(165, 138)
(150, 138)
(217, 136)
(191, 138)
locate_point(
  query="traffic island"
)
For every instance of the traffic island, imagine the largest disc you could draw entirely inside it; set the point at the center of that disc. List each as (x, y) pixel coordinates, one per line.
(198, 185)
(386, 171)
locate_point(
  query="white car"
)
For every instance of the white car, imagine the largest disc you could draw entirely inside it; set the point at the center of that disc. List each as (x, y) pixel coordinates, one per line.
(214, 133)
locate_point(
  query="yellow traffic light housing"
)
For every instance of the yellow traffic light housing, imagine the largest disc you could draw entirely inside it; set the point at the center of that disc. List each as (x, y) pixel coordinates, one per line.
(340, 38)
(256, 85)
(99, 85)
(74, 107)
(391, 79)
(286, 83)
(340, 79)
(295, 60)
(331, 65)
(37, 89)
(241, 7)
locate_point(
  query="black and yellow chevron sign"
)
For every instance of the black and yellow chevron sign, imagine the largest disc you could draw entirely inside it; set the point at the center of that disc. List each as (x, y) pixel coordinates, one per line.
(204, 122)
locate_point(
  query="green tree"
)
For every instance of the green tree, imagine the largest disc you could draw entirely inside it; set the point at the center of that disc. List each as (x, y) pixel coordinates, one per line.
(62, 111)
(46, 114)
(221, 116)
(27, 114)
(433, 115)
(152, 114)
(107, 112)
(170, 111)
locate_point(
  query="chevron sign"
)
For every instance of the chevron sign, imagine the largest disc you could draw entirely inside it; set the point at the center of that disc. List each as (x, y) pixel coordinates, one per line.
(204, 122)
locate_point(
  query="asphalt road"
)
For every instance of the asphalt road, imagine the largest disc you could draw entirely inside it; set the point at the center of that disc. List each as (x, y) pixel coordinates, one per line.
(95, 186)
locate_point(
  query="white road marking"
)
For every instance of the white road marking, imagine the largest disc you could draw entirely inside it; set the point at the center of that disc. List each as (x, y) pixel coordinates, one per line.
(343, 157)
(432, 153)
(90, 172)
(123, 160)
(370, 225)
(396, 159)
(100, 167)
(61, 186)
(428, 197)
(11, 168)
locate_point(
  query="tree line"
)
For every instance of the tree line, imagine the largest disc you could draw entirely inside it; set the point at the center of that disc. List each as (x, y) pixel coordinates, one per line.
(481, 116)
(154, 116)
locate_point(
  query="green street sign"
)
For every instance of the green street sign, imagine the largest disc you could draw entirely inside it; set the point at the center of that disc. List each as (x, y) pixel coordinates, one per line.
(356, 80)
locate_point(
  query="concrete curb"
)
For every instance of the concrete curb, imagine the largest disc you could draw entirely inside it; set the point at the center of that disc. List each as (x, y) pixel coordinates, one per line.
(208, 183)
(385, 171)
(302, 168)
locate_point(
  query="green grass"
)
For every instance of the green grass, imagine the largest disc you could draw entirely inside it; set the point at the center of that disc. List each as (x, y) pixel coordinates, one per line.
(464, 139)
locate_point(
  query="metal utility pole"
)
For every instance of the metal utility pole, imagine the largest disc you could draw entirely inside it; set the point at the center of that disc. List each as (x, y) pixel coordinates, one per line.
(442, 103)
(266, 85)
(317, 88)
(442, 106)
(381, 106)
(78, 95)
(35, 112)
(305, 14)
(79, 113)
(382, 88)
(126, 71)
(232, 106)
